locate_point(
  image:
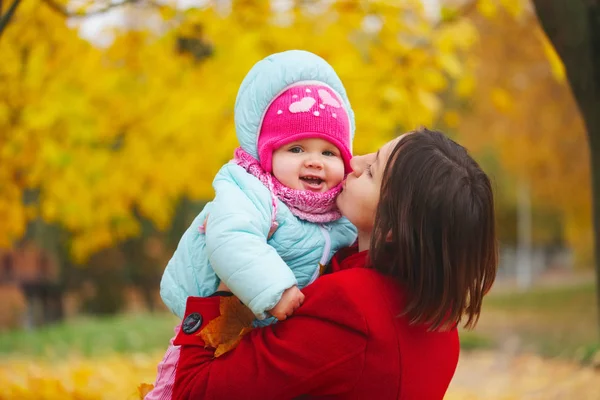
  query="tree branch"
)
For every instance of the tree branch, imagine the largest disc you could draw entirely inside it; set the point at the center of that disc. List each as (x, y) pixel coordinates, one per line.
(59, 8)
(4, 19)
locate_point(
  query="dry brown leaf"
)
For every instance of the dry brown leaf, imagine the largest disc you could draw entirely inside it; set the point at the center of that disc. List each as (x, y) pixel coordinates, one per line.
(144, 389)
(322, 269)
(225, 332)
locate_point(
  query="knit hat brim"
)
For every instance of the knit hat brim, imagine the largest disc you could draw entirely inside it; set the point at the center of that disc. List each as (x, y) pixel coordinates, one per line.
(266, 155)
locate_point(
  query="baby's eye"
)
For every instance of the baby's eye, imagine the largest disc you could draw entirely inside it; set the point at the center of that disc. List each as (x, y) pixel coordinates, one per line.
(329, 153)
(295, 149)
(368, 170)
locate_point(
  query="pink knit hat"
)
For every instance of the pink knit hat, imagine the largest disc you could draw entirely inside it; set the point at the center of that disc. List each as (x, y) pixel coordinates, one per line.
(306, 110)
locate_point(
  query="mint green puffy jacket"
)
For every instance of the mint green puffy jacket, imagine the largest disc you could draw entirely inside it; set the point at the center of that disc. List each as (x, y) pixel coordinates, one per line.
(235, 247)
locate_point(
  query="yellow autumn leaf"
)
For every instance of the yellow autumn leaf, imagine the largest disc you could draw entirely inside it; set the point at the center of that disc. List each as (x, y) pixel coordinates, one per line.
(144, 389)
(487, 8)
(514, 7)
(451, 64)
(501, 99)
(429, 100)
(451, 119)
(465, 86)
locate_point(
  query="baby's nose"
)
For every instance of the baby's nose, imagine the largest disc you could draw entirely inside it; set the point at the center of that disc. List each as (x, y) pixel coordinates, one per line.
(314, 163)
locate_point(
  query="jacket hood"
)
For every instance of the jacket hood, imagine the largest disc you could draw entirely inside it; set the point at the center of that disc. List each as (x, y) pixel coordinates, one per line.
(270, 77)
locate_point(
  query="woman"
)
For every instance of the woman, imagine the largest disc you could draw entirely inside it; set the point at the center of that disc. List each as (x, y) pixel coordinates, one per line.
(383, 324)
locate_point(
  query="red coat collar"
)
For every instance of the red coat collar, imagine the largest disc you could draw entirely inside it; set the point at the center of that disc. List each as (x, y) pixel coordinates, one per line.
(348, 258)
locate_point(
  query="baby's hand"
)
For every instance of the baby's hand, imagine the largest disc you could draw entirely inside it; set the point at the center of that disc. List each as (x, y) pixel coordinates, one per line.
(290, 300)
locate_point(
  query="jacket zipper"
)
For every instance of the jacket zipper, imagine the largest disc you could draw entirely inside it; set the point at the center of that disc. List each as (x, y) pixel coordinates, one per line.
(326, 251)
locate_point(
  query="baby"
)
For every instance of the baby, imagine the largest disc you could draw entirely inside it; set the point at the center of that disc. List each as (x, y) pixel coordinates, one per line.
(273, 222)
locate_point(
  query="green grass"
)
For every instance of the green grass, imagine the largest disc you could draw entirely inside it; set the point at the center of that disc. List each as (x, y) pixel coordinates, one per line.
(571, 299)
(90, 337)
(552, 321)
(138, 333)
(473, 341)
(558, 321)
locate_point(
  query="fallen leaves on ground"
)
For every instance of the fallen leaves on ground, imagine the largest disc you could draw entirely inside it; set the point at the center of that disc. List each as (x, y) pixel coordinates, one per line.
(107, 378)
(225, 332)
(481, 375)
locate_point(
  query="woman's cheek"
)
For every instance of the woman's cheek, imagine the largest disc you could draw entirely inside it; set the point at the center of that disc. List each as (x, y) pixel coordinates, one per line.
(342, 201)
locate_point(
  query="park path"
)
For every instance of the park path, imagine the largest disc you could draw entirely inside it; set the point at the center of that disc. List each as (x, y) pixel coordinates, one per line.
(503, 375)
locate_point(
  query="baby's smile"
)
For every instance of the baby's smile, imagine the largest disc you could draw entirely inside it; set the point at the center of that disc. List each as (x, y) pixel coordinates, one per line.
(312, 182)
(312, 164)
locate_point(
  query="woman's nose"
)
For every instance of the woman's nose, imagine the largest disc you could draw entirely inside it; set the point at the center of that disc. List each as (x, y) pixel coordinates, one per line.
(356, 163)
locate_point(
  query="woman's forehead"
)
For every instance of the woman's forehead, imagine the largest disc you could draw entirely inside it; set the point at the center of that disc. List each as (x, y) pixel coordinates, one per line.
(387, 148)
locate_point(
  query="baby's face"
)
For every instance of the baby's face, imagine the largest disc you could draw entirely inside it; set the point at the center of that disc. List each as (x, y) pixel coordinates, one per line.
(308, 164)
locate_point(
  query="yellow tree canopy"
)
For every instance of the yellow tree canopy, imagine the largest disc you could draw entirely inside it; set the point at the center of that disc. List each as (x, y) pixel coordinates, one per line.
(94, 138)
(523, 111)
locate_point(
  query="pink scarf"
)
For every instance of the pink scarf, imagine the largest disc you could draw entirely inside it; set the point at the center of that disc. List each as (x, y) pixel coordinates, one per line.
(313, 207)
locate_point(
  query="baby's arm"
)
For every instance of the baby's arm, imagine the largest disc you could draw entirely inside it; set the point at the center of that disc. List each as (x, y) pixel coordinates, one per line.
(236, 245)
(291, 299)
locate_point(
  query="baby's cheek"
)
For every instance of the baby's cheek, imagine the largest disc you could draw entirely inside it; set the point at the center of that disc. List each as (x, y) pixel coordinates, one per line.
(287, 173)
(335, 172)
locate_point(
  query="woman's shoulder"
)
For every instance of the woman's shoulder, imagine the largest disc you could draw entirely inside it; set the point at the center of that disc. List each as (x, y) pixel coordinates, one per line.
(363, 290)
(364, 281)
(337, 298)
(371, 304)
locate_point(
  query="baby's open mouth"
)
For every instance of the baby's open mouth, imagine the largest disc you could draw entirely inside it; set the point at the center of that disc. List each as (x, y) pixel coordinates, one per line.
(311, 179)
(312, 182)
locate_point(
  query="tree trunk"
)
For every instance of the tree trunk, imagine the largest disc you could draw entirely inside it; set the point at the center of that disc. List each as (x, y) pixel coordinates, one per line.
(573, 27)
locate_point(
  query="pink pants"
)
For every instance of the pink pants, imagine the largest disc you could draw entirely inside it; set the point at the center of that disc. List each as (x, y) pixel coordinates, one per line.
(165, 378)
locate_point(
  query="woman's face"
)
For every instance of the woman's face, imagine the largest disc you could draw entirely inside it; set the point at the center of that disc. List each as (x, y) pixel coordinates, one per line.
(360, 195)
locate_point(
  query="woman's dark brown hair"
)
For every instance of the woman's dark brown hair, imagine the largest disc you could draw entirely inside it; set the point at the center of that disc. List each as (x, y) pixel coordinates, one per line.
(434, 229)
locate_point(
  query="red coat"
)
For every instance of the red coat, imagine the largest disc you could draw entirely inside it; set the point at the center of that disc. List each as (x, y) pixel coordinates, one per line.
(345, 342)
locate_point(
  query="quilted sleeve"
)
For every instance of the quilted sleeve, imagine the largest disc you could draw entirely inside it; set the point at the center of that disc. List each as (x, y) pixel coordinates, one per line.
(236, 246)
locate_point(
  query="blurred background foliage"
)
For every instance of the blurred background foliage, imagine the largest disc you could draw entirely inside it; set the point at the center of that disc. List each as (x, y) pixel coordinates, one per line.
(115, 117)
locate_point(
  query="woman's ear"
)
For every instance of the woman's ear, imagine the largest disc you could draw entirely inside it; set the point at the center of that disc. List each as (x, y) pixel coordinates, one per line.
(388, 237)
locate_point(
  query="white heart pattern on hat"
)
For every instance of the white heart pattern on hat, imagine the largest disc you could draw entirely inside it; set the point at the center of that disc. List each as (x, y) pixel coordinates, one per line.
(303, 105)
(328, 99)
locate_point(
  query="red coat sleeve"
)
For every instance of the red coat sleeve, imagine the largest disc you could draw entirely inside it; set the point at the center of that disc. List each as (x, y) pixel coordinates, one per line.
(318, 351)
